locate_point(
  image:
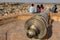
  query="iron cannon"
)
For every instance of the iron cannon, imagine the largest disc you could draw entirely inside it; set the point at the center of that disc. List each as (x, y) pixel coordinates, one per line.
(37, 25)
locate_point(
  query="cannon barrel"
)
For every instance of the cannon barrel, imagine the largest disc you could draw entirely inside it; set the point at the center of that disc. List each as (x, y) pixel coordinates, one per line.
(37, 25)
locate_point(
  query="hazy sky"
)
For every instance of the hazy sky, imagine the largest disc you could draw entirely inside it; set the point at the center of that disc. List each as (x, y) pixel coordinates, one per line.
(38, 1)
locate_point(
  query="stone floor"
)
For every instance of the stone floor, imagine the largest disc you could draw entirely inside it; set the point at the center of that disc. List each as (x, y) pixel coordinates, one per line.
(15, 31)
(55, 31)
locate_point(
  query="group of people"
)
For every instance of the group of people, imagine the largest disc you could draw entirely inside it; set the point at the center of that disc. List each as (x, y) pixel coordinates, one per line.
(40, 8)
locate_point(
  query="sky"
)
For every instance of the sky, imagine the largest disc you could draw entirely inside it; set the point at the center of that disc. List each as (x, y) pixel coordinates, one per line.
(37, 1)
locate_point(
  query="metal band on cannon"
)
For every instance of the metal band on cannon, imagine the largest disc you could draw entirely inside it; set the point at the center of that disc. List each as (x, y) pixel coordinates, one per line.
(37, 25)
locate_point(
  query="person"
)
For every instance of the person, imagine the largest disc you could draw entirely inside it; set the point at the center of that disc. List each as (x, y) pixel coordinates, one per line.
(54, 9)
(32, 10)
(38, 9)
(41, 8)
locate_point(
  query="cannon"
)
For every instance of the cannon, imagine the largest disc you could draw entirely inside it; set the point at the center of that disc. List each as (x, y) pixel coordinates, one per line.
(36, 26)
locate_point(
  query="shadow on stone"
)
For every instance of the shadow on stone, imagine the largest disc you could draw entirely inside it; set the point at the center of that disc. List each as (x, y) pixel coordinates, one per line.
(49, 31)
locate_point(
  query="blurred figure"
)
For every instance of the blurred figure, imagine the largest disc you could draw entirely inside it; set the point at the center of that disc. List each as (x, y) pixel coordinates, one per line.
(54, 9)
(38, 9)
(32, 10)
(41, 8)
